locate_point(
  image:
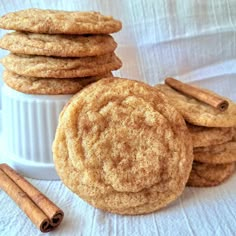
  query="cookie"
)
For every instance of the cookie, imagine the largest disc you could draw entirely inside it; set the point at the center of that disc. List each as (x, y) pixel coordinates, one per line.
(234, 134)
(208, 175)
(59, 22)
(199, 113)
(48, 86)
(122, 148)
(60, 67)
(58, 45)
(208, 136)
(216, 154)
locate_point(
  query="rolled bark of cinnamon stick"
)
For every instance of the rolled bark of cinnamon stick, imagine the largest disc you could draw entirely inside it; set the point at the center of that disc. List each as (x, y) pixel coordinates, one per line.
(53, 214)
(199, 94)
(24, 202)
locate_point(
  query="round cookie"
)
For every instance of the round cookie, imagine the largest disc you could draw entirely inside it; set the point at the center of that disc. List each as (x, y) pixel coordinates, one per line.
(208, 175)
(48, 86)
(58, 45)
(60, 67)
(122, 148)
(216, 154)
(199, 113)
(208, 136)
(59, 22)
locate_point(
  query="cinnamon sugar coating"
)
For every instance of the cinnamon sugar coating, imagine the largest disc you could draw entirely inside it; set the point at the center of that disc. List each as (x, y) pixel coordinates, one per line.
(122, 148)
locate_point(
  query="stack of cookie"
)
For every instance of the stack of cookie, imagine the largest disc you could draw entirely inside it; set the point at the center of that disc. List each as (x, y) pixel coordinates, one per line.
(213, 135)
(57, 52)
(54, 54)
(214, 155)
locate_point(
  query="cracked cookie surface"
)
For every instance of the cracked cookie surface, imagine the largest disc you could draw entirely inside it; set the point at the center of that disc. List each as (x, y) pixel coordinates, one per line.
(208, 136)
(216, 154)
(58, 45)
(60, 67)
(59, 22)
(207, 175)
(48, 86)
(122, 148)
(199, 113)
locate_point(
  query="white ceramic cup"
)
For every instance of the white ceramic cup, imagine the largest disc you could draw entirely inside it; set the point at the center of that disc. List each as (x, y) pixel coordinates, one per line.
(28, 125)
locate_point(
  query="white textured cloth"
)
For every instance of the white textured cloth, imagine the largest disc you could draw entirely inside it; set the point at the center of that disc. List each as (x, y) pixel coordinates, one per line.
(194, 41)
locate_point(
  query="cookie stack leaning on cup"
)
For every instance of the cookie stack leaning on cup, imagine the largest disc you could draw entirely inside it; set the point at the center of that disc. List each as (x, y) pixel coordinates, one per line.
(213, 135)
(57, 52)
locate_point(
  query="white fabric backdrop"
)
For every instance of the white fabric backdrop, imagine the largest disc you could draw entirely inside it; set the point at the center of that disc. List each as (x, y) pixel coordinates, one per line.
(193, 40)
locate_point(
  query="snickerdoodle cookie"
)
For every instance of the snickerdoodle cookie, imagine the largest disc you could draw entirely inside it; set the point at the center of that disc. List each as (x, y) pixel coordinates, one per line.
(207, 175)
(197, 112)
(59, 22)
(216, 154)
(60, 67)
(48, 86)
(122, 148)
(208, 136)
(58, 45)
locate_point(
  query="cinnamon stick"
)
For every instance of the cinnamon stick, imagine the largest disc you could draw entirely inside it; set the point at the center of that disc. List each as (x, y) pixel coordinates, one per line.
(199, 94)
(41, 211)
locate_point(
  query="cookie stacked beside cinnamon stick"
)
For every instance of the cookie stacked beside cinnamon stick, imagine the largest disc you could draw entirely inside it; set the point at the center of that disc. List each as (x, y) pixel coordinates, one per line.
(211, 125)
(57, 52)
